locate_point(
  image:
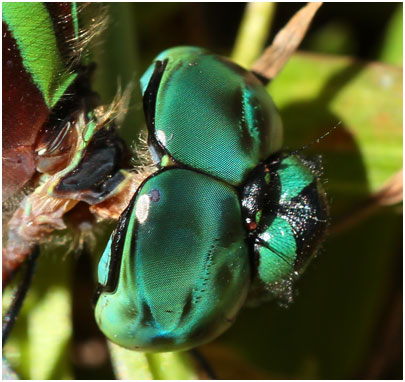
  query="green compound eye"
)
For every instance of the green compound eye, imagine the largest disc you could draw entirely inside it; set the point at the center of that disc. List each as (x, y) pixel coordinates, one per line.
(209, 114)
(227, 216)
(184, 271)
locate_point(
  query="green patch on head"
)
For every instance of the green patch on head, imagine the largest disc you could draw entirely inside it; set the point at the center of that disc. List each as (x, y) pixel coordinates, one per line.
(294, 177)
(277, 257)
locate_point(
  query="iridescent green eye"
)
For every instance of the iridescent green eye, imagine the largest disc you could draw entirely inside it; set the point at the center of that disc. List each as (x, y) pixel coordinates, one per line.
(226, 216)
(184, 271)
(209, 114)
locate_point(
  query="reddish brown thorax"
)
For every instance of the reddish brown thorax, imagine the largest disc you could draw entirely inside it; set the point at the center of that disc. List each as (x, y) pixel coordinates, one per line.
(25, 112)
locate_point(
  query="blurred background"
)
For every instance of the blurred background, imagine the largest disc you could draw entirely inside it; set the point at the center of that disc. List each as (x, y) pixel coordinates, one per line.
(346, 318)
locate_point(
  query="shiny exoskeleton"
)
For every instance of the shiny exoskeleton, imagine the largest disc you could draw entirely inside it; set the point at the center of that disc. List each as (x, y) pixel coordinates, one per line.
(55, 138)
(226, 216)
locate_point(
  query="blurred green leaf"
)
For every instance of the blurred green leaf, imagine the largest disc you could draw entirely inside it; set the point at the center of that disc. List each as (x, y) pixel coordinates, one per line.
(315, 93)
(392, 49)
(117, 67)
(333, 38)
(39, 345)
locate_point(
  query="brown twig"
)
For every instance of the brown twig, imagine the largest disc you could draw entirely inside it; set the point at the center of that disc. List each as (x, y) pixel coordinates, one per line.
(285, 43)
(392, 191)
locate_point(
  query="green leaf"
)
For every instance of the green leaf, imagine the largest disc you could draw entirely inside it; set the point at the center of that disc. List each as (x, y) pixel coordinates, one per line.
(38, 347)
(333, 38)
(314, 93)
(392, 49)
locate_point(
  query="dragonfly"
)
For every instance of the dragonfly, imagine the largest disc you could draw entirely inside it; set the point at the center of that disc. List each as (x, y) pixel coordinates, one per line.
(225, 216)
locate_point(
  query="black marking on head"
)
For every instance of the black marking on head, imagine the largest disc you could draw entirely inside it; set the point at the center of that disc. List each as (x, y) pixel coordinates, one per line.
(149, 106)
(117, 245)
(256, 195)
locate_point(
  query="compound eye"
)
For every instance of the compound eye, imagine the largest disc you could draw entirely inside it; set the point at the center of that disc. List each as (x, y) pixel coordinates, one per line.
(174, 55)
(184, 250)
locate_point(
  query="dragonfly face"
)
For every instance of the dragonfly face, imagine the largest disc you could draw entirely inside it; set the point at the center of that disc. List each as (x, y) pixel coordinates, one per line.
(226, 215)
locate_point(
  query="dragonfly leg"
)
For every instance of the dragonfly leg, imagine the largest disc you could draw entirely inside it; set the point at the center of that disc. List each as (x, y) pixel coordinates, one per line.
(19, 294)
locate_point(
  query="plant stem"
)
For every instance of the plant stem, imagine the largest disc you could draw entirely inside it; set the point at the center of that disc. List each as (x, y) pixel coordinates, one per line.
(253, 32)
